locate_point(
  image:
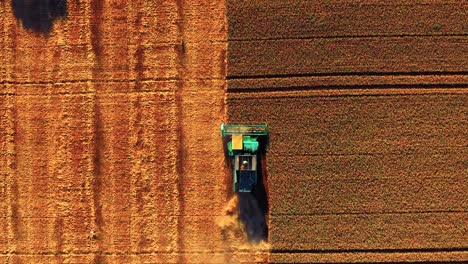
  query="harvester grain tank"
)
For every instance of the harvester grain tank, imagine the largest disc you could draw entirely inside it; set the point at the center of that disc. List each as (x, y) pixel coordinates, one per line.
(242, 143)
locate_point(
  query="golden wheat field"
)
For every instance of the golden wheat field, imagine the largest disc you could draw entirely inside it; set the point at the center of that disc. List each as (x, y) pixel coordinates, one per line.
(110, 145)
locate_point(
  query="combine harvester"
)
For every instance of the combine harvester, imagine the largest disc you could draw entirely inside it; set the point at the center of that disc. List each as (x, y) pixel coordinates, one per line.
(243, 143)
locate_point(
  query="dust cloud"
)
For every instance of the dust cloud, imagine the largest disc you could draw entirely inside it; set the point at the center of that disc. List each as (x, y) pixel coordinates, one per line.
(243, 215)
(228, 221)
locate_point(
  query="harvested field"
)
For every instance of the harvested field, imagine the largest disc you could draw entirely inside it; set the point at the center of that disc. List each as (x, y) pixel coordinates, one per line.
(109, 135)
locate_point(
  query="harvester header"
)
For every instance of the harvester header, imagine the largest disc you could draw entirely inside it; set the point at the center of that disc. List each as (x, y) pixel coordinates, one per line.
(247, 130)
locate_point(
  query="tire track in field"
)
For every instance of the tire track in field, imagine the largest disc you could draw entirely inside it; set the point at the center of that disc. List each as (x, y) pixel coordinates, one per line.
(179, 114)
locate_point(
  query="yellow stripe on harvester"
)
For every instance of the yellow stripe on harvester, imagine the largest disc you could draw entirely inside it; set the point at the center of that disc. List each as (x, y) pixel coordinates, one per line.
(237, 143)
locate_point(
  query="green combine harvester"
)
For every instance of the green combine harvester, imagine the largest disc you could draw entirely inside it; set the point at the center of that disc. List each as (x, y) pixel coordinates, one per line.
(243, 143)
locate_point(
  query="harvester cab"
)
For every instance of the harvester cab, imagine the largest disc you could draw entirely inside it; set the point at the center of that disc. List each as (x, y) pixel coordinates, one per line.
(242, 144)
